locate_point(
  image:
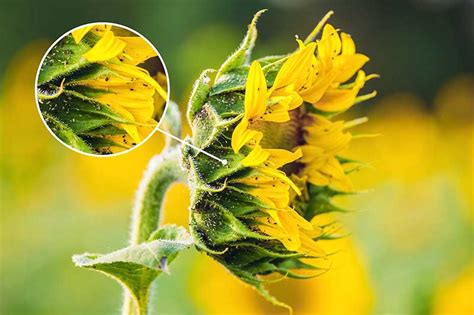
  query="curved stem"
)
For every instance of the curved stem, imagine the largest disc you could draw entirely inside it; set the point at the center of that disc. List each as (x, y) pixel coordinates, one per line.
(163, 170)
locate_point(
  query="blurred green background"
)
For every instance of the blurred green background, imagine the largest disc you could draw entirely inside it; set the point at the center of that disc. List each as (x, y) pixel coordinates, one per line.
(411, 244)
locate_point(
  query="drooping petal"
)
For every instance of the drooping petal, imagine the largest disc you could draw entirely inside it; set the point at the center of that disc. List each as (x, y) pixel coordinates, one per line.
(79, 33)
(280, 157)
(129, 128)
(279, 175)
(136, 51)
(139, 73)
(339, 99)
(242, 136)
(256, 157)
(348, 65)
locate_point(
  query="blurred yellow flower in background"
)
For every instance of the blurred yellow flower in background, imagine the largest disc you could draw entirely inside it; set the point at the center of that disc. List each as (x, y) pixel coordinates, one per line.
(31, 149)
(344, 289)
(456, 296)
(455, 114)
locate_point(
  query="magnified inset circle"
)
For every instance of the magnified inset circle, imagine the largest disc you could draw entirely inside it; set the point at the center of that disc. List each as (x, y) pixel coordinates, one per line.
(101, 89)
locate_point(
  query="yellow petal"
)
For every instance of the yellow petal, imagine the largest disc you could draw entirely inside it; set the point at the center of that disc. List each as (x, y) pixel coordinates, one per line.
(335, 100)
(280, 157)
(321, 84)
(137, 50)
(330, 44)
(316, 178)
(302, 222)
(129, 128)
(296, 69)
(309, 246)
(310, 153)
(255, 92)
(79, 34)
(256, 157)
(288, 97)
(105, 49)
(279, 175)
(242, 136)
(348, 46)
(348, 65)
(139, 73)
(290, 226)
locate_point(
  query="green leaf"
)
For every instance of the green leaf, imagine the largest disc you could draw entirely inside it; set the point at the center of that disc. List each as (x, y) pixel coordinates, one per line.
(66, 134)
(135, 267)
(242, 55)
(64, 58)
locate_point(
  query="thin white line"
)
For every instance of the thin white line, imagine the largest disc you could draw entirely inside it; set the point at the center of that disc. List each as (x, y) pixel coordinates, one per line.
(223, 161)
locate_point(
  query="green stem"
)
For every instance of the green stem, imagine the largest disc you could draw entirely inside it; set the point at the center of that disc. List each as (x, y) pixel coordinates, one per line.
(163, 170)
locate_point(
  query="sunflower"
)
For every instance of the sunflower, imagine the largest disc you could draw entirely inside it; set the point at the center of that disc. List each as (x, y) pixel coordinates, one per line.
(100, 90)
(274, 121)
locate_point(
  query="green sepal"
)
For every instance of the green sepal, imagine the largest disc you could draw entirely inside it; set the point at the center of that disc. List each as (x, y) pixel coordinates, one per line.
(65, 58)
(79, 114)
(319, 202)
(211, 170)
(201, 89)
(204, 126)
(107, 130)
(220, 225)
(241, 204)
(227, 105)
(242, 55)
(100, 143)
(231, 81)
(135, 267)
(91, 72)
(66, 134)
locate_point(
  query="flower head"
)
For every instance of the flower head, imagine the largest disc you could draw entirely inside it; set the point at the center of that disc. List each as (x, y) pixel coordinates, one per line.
(271, 119)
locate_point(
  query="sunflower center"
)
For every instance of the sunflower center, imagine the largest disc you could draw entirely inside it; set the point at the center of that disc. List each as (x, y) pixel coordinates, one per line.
(287, 135)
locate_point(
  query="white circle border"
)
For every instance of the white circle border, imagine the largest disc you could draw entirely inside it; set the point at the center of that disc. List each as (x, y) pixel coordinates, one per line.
(138, 144)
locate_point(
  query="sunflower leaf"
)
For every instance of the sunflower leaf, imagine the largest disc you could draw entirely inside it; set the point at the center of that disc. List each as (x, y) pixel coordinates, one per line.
(135, 267)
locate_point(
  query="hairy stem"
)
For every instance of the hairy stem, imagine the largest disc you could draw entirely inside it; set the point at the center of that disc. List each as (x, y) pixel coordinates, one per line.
(163, 170)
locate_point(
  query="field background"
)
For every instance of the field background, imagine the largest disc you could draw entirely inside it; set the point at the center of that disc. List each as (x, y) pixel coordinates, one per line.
(410, 247)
